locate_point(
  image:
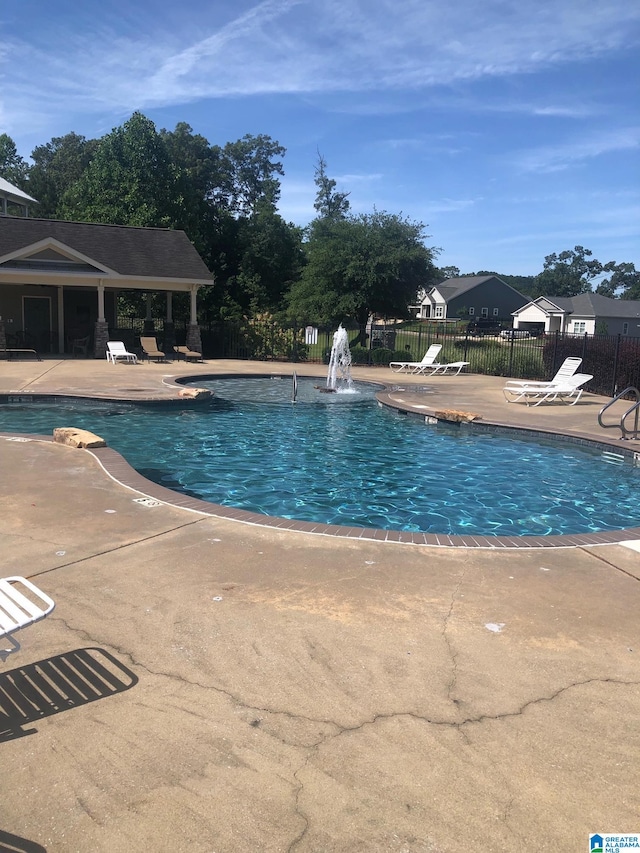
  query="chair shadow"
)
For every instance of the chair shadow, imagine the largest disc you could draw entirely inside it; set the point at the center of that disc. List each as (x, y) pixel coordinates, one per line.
(50, 686)
(15, 844)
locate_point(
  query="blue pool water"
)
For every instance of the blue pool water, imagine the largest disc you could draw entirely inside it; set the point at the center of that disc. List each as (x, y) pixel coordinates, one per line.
(342, 459)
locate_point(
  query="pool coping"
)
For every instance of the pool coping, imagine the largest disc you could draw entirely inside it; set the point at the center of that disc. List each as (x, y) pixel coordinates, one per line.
(119, 470)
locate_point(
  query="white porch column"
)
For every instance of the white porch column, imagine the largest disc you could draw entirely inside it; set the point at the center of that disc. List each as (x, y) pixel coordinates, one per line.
(101, 302)
(194, 340)
(169, 340)
(194, 312)
(60, 319)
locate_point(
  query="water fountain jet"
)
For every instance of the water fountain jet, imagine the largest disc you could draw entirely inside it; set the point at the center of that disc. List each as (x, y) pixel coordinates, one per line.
(339, 374)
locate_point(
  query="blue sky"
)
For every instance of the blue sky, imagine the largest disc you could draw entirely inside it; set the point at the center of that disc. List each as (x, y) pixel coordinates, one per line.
(510, 128)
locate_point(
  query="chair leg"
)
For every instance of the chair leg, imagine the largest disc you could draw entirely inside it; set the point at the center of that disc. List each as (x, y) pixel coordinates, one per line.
(4, 653)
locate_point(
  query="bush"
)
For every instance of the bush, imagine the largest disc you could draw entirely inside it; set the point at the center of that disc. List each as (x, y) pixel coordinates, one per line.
(384, 356)
(360, 355)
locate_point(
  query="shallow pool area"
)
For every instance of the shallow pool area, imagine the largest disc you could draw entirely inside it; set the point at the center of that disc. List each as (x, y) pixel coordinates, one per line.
(342, 459)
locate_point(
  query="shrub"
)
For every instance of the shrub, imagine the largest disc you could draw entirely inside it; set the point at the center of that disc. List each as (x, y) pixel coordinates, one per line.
(360, 355)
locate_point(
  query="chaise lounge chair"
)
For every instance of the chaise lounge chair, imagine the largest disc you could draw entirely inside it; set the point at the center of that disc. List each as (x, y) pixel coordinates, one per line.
(150, 349)
(117, 350)
(417, 366)
(566, 369)
(18, 610)
(567, 390)
(454, 367)
(188, 354)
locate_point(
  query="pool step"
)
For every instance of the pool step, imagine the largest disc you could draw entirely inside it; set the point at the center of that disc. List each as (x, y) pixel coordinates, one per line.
(612, 458)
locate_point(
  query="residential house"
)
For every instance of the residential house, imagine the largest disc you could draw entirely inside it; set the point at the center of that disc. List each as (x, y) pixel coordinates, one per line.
(471, 298)
(59, 280)
(587, 313)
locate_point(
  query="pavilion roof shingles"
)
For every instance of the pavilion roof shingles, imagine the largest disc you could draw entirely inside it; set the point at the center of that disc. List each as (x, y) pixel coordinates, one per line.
(150, 252)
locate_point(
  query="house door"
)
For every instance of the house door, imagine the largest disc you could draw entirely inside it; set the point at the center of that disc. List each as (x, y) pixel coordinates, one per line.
(36, 323)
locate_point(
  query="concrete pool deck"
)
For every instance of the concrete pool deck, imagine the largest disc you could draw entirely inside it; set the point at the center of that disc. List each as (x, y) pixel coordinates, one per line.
(252, 688)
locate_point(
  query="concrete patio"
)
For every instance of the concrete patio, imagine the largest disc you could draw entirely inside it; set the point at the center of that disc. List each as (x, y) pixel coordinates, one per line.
(251, 688)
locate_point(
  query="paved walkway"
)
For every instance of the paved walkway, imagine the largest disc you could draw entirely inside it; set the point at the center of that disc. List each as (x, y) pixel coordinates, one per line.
(206, 685)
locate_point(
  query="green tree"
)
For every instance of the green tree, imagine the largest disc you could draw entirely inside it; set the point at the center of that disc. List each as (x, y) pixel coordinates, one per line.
(568, 273)
(271, 260)
(444, 273)
(329, 203)
(13, 167)
(199, 176)
(57, 165)
(358, 266)
(624, 281)
(129, 181)
(248, 179)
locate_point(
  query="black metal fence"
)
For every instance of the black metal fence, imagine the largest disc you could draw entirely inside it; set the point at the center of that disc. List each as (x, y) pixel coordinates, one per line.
(613, 360)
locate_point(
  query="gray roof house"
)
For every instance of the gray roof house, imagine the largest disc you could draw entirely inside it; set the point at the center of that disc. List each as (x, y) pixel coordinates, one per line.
(59, 280)
(587, 313)
(471, 297)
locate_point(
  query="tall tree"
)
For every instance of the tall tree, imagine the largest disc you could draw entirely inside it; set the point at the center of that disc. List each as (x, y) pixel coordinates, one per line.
(624, 281)
(199, 175)
(57, 165)
(271, 260)
(568, 273)
(129, 181)
(250, 168)
(329, 203)
(13, 167)
(361, 265)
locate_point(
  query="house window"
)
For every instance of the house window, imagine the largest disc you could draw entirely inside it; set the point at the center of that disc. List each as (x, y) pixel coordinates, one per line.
(472, 311)
(496, 312)
(440, 311)
(485, 312)
(625, 328)
(579, 327)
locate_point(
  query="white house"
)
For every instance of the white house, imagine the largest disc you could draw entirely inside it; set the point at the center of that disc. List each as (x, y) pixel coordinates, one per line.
(587, 313)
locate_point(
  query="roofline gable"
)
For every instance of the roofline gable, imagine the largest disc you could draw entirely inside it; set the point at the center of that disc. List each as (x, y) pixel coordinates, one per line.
(25, 252)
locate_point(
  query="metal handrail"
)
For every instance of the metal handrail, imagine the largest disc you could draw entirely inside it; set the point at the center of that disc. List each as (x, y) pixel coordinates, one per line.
(625, 433)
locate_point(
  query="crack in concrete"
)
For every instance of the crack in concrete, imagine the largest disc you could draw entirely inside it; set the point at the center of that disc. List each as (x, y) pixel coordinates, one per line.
(312, 749)
(341, 728)
(453, 654)
(297, 810)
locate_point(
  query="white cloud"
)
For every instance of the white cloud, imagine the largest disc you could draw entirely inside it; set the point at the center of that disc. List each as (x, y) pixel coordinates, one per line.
(304, 46)
(555, 158)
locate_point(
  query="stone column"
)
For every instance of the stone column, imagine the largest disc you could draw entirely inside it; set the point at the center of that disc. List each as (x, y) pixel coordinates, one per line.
(100, 338)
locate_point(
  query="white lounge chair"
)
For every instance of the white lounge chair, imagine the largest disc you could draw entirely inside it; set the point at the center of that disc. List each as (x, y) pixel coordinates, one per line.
(566, 369)
(453, 367)
(567, 390)
(417, 366)
(18, 610)
(116, 350)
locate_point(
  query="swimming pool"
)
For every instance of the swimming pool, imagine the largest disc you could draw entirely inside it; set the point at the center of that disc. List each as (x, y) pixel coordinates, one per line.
(342, 459)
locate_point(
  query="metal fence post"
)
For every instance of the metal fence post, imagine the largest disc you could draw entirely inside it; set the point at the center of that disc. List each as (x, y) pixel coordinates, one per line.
(614, 378)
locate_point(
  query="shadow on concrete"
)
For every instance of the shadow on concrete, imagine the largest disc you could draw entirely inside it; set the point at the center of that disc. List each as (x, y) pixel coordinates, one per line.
(56, 684)
(14, 844)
